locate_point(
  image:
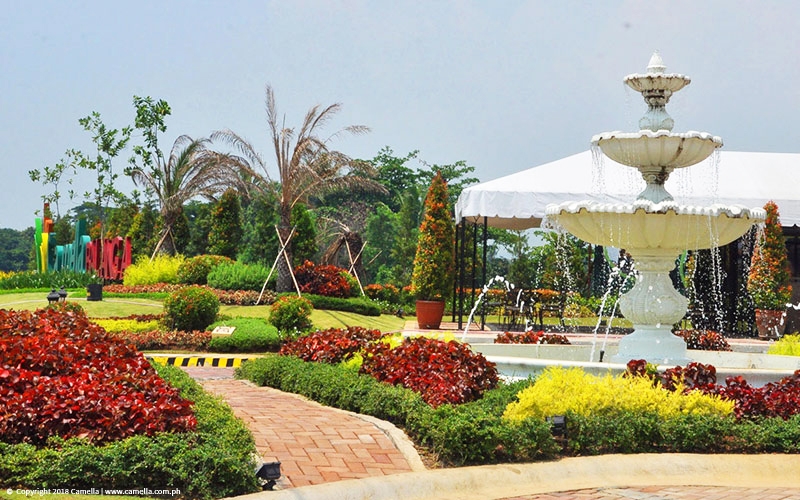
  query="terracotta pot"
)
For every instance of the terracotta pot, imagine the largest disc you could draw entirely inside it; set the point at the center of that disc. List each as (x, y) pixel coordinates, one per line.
(769, 323)
(429, 313)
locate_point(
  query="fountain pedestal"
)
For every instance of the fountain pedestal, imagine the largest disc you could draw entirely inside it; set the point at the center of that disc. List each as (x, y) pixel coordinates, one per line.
(653, 306)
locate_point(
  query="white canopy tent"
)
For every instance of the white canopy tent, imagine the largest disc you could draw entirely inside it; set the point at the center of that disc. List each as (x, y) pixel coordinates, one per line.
(518, 201)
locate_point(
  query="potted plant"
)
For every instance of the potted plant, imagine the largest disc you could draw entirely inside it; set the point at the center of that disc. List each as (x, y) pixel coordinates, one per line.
(434, 262)
(769, 280)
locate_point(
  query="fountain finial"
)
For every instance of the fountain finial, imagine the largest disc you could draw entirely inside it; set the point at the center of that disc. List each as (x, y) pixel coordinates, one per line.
(656, 64)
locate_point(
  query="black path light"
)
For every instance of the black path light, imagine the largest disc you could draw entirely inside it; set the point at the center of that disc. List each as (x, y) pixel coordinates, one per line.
(53, 296)
(62, 294)
(269, 472)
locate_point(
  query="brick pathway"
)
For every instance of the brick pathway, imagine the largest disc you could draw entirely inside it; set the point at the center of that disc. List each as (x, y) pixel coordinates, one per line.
(670, 492)
(315, 444)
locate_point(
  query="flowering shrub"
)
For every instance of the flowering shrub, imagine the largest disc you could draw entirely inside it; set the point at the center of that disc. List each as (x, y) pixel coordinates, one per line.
(387, 293)
(558, 391)
(531, 337)
(768, 281)
(703, 340)
(194, 271)
(434, 262)
(289, 314)
(157, 340)
(441, 372)
(61, 375)
(322, 280)
(332, 345)
(190, 308)
(162, 269)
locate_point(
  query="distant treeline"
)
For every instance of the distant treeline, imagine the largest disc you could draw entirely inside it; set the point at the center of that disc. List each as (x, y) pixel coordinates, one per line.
(16, 249)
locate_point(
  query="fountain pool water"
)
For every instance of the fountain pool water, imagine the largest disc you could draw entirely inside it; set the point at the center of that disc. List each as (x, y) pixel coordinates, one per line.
(654, 229)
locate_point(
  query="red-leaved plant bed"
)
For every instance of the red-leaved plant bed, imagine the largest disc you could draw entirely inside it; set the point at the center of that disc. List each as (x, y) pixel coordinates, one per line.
(165, 339)
(228, 297)
(775, 399)
(61, 375)
(441, 372)
(703, 340)
(332, 345)
(531, 337)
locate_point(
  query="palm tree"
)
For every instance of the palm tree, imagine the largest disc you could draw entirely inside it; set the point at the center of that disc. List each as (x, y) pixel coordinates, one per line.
(192, 170)
(306, 165)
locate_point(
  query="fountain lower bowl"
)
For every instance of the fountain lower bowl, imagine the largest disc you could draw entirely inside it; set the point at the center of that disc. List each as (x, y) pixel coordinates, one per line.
(666, 227)
(660, 149)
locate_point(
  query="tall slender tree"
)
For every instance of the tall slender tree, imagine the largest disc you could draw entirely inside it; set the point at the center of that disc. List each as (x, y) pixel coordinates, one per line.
(306, 164)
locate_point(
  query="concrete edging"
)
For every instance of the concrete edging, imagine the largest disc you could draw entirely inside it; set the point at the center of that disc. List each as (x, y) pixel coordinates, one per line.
(508, 480)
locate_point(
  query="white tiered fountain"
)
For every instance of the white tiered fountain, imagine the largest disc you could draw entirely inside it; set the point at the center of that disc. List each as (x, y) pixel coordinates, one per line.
(654, 229)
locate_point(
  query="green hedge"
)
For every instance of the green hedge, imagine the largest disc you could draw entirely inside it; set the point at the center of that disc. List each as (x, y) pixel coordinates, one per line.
(251, 335)
(359, 305)
(33, 280)
(215, 461)
(472, 433)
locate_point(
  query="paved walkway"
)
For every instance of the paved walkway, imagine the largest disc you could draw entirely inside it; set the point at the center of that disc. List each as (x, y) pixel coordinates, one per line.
(315, 444)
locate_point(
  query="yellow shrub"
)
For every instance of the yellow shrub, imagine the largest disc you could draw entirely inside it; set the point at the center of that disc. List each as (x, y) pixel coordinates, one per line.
(788, 345)
(5, 274)
(558, 391)
(127, 325)
(162, 269)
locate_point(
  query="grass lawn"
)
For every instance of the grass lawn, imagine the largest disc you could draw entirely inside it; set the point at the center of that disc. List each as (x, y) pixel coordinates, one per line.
(117, 306)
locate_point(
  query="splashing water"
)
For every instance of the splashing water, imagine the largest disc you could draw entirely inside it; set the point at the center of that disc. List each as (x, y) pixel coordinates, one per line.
(500, 279)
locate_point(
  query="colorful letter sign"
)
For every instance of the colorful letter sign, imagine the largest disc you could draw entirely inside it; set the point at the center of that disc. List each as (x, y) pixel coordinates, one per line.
(108, 258)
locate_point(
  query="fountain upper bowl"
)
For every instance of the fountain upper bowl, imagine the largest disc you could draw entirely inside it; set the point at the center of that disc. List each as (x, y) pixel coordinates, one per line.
(660, 149)
(666, 227)
(672, 82)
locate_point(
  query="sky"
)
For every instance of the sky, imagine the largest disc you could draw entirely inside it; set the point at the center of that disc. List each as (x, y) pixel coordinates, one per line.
(503, 85)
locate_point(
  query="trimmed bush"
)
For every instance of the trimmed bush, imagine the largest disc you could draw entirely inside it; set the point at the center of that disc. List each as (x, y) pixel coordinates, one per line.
(190, 308)
(55, 279)
(358, 305)
(531, 337)
(194, 271)
(251, 335)
(162, 269)
(291, 314)
(238, 276)
(788, 345)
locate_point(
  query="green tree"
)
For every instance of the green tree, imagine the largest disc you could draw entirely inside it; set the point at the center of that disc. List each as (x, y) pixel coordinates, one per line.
(405, 246)
(108, 143)
(198, 217)
(54, 176)
(191, 170)
(226, 225)
(454, 175)
(307, 166)
(260, 241)
(144, 231)
(381, 233)
(304, 241)
(394, 175)
(15, 249)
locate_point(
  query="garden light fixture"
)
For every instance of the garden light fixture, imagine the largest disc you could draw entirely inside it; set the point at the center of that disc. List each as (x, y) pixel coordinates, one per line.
(53, 296)
(269, 472)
